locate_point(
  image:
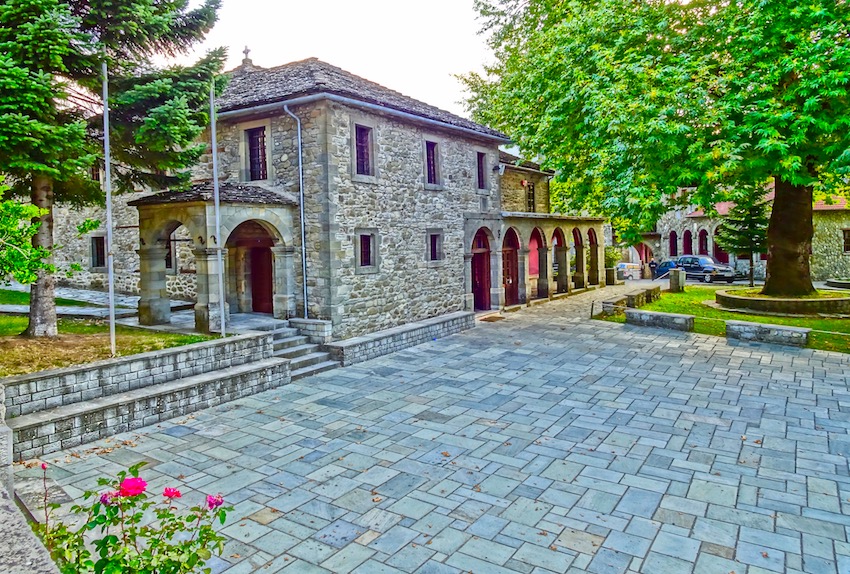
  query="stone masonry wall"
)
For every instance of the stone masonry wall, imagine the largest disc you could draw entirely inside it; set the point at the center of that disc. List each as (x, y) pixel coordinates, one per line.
(59, 387)
(76, 249)
(398, 207)
(829, 260)
(514, 194)
(359, 349)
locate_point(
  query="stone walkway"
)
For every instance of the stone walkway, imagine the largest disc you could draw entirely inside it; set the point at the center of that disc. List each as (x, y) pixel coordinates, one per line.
(541, 443)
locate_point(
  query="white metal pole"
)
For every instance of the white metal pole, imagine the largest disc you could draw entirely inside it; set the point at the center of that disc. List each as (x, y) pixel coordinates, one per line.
(107, 161)
(217, 209)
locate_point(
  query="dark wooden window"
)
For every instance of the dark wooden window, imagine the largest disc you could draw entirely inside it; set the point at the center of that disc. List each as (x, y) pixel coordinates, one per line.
(94, 172)
(435, 247)
(366, 251)
(363, 143)
(98, 252)
(482, 170)
(257, 168)
(431, 163)
(529, 197)
(846, 240)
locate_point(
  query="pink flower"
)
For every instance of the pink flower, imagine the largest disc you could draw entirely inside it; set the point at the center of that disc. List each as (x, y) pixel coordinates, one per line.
(171, 492)
(132, 486)
(107, 497)
(43, 466)
(214, 502)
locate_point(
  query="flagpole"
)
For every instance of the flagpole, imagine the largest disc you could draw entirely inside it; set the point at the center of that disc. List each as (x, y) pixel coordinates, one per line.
(217, 209)
(108, 184)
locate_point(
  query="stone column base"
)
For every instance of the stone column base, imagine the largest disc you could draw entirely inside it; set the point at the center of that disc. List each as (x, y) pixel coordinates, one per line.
(469, 301)
(207, 320)
(154, 311)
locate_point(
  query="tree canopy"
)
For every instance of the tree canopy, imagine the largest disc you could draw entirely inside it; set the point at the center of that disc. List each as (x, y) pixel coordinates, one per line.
(51, 116)
(642, 106)
(19, 260)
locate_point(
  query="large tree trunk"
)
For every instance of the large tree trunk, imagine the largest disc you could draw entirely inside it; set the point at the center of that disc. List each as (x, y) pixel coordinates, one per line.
(752, 270)
(789, 242)
(42, 292)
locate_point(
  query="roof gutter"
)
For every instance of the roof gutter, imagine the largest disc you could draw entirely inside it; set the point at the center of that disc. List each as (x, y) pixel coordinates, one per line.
(301, 208)
(232, 114)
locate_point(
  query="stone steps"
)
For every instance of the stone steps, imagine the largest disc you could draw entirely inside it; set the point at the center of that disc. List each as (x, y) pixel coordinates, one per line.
(291, 346)
(83, 422)
(305, 358)
(314, 369)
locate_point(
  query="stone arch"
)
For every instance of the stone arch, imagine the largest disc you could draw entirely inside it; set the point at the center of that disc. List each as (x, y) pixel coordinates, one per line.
(538, 264)
(593, 244)
(579, 274)
(717, 251)
(270, 221)
(260, 268)
(674, 244)
(687, 243)
(480, 267)
(561, 264)
(510, 266)
(702, 242)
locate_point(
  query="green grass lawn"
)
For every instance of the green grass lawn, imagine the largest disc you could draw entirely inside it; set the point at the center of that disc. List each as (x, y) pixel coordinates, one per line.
(709, 321)
(80, 341)
(9, 297)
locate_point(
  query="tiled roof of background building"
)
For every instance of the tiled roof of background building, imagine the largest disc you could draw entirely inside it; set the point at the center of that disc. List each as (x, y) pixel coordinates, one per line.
(228, 193)
(251, 86)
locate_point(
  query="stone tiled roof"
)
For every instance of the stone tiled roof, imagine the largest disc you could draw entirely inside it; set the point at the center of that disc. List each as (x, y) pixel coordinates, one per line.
(250, 86)
(228, 193)
(510, 159)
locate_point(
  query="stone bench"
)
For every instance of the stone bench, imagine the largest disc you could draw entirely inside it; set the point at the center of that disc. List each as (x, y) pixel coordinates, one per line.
(635, 299)
(673, 321)
(653, 293)
(613, 306)
(766, 333)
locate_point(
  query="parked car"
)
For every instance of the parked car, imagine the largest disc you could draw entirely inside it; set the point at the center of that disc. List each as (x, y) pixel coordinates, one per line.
(706, 269)
(665, 266)
(629, 270)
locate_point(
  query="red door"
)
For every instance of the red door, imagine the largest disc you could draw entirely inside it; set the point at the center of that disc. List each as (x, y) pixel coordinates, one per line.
(481, 280)
(261, 280)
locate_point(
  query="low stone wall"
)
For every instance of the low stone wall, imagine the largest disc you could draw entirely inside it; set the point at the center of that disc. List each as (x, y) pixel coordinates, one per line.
(838, 283)
(779, 334)
(20, 551)
(359, 349)
(673, 321)
(652, 293)
(59, 387)
(636, 299)
(836, 306)
(614, 306)
(50, 431)
(317, 331)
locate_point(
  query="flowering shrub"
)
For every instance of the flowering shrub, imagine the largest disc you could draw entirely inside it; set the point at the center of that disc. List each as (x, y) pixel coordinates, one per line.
(130, 543)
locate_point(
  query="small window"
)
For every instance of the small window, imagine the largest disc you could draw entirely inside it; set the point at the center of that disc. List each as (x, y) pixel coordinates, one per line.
(94, 172)
(846, 233)
(257, 168)
(482, 170)
(366, 251)
(432, 166)
(98, 251)
(529, 197)
(435, 245)
(170, 252)
(363, 145)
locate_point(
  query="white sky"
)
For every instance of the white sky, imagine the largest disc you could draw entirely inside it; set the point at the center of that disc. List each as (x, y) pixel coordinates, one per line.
(413, 47)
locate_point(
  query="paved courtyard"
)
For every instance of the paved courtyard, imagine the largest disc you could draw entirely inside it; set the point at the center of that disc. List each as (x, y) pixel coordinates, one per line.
(541, 443)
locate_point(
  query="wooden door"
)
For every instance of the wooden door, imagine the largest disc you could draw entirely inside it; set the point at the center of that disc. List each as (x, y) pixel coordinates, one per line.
(510, 273)
(481, 280)
(262, 292)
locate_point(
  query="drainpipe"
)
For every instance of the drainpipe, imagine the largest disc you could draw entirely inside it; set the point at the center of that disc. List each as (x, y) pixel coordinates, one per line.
(301, 208)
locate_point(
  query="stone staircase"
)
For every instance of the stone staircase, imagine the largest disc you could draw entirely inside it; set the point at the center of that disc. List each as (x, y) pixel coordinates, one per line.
(305, 358)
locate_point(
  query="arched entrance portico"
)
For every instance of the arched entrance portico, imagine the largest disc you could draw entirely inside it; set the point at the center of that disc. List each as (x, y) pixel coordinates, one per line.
(481, 270)
(510, 267)
(561, 267)
(593, 272)
(251, 265)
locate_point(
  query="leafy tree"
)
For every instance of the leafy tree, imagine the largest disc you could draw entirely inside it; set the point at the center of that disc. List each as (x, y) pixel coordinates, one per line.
(19, 259)
(51, 122)
(644, 106)
(744, 228)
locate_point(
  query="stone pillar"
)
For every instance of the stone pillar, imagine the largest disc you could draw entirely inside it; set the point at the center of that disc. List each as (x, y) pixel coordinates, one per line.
(497, 288)
(284, 281)
(241, 274)
(154, 304)
(468, 295)
(207, 314)
(522, 266)
(593, 276)
(677, 280)
(580, 276)
(546, 286)
(563, 280)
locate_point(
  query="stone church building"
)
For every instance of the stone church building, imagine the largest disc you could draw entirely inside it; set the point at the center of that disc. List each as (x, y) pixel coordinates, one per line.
(345, 202)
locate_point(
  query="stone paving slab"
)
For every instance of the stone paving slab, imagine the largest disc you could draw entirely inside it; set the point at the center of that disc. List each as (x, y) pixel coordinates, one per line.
(541, 443)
